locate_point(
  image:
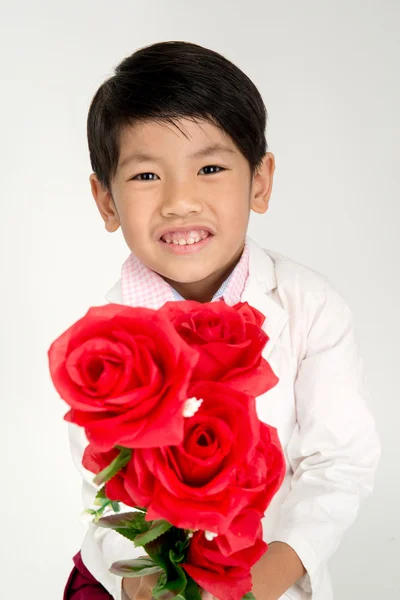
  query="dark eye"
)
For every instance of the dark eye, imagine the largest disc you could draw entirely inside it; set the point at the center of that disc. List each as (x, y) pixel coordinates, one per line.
(145, 177)
(212, 169)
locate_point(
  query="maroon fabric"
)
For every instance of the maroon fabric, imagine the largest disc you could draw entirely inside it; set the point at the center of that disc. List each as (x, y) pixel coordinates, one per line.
(81, 584)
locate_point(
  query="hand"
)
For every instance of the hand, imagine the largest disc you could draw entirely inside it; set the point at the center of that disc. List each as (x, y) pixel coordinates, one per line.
(276, 571)
(139, 588)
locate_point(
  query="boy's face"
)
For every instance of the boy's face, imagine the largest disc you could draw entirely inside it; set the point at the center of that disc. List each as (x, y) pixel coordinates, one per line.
(182, 202)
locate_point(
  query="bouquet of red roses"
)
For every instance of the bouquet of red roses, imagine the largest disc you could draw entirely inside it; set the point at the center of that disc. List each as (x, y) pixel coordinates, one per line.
(167, 401)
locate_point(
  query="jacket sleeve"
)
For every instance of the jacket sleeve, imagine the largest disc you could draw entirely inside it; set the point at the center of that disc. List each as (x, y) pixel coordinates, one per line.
(334, 450)
(101, 547)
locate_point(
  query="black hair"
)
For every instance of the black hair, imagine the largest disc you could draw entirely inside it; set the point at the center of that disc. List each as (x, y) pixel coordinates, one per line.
(168, 81)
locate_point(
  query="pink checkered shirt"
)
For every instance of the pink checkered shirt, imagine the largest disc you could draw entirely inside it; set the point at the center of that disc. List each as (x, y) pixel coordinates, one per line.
(143, 287)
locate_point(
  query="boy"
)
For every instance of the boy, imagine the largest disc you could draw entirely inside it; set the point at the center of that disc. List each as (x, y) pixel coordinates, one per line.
(179, 157)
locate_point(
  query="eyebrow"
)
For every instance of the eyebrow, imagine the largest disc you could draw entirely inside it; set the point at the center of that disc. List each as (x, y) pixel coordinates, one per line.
(139, 157)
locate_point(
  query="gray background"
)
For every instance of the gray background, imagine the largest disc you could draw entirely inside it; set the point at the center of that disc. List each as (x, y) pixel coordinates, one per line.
(329, 75)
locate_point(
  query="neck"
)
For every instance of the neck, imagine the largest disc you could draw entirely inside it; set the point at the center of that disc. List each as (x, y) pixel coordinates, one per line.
(204, 290)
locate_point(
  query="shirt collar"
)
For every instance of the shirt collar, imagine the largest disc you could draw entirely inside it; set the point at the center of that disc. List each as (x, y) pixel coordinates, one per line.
(141, 286)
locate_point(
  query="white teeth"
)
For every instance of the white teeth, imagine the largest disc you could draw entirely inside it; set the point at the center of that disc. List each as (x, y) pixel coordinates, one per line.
(193, 237)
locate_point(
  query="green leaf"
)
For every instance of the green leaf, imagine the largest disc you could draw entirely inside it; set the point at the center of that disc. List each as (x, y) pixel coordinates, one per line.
(192, 590)
(101, 500)
(157, 528)
(101, 494)
(172, 584)
(116, 465)
(115, 506)
(134, 521)
(178, 583)
(157, 550)
(176, 557)
(159, 590)
(249, 596)
(137, 567)
(179, 550)
(182, 545)
(129, 534)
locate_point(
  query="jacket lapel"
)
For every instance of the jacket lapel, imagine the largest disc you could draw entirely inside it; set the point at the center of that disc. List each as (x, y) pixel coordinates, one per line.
(114, 295)
(260, 283)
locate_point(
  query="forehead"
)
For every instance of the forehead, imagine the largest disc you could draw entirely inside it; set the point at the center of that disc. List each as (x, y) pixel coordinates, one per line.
(184, 136)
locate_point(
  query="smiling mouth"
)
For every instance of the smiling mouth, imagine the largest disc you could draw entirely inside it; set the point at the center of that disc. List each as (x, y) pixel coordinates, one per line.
(183, 238)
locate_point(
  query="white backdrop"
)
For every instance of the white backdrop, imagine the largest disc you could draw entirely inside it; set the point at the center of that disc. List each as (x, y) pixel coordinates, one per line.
(329, 75)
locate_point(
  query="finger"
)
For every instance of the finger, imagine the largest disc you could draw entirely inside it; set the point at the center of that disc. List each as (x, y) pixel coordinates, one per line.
(143, 593)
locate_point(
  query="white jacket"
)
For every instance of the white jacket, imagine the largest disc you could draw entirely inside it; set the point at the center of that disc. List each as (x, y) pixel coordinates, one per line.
(319, 408)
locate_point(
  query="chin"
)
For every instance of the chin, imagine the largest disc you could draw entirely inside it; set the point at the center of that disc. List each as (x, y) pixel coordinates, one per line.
(187, 275)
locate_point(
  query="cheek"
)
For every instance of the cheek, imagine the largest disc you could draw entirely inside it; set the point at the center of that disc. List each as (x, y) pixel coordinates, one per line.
(234, 218)
(136, 216)
(233, 207)
(135, 210)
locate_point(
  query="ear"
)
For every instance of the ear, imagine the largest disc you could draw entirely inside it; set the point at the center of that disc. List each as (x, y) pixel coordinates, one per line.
(262, 184)
(105, 204)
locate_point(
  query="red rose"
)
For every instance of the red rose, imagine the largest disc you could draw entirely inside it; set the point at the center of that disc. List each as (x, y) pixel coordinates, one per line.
(95, 461)
(242, 532)
(125, 372)
(193, 485)
(249, 313)
(230, 342)
(225, 577)
(261, 476)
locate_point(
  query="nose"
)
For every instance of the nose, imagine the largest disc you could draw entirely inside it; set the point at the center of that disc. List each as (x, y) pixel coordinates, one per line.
(180, 201)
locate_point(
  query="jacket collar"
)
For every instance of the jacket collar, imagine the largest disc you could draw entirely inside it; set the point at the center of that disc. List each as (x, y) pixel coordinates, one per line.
(260, 283)
(258, 293)
(261, 266)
